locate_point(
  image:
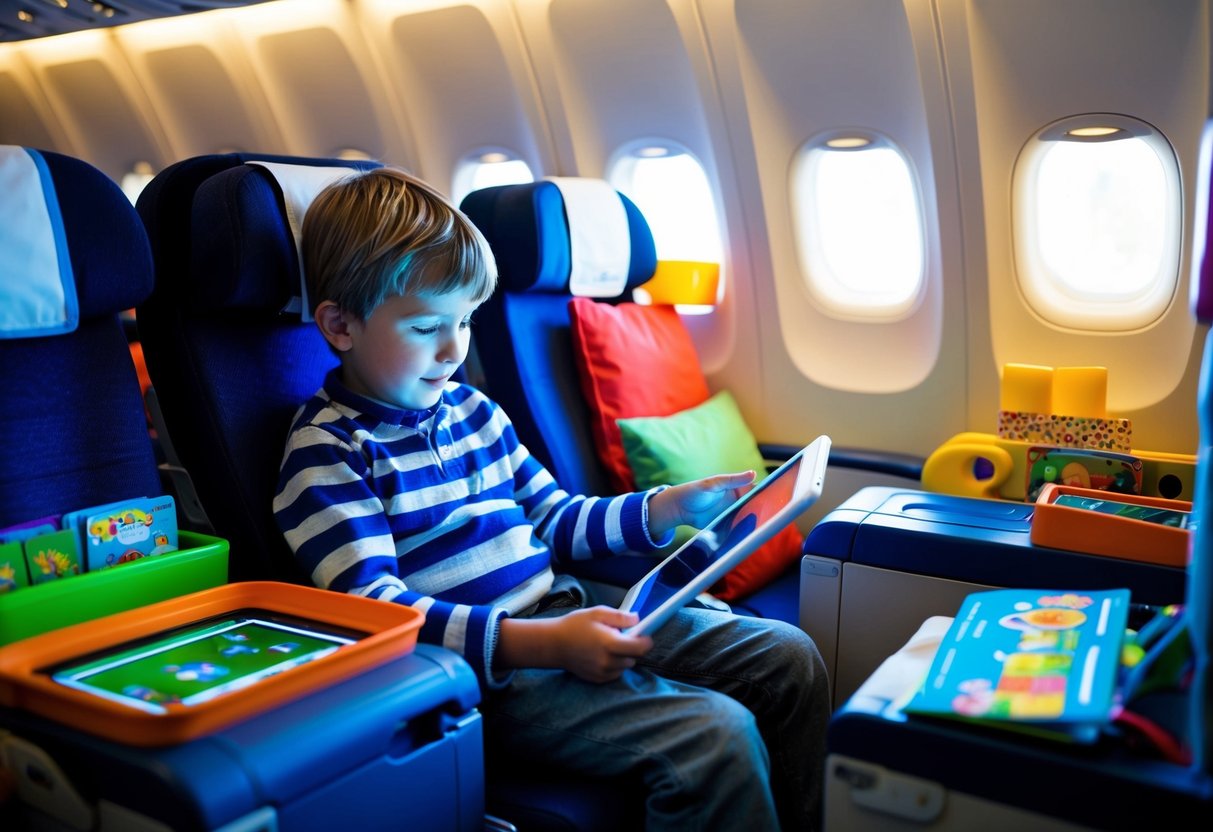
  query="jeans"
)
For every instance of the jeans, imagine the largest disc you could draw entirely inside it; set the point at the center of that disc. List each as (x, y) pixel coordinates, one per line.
(724, 721)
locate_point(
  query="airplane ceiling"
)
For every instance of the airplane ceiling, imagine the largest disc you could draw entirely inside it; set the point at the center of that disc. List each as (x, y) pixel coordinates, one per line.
(26, 19)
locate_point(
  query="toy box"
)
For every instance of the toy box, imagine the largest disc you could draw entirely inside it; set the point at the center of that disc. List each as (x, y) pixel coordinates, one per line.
(200, 563)
(1148, 529)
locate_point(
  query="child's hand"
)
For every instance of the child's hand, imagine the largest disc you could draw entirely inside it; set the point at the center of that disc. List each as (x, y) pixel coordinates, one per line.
(695, 503)
(587, 643)
(591, 646)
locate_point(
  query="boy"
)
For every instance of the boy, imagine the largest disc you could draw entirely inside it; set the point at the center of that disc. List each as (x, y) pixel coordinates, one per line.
(401, 485)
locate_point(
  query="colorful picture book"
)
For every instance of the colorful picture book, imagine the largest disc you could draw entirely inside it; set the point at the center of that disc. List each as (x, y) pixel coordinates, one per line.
(1039, 661)
(121, 532)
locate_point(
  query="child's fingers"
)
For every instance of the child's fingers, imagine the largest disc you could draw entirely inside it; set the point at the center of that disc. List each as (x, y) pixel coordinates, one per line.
(723, 482)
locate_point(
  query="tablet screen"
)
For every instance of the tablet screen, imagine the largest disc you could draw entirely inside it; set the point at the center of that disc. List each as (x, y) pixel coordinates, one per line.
(1151, 514)
(717, 539)
(196, 663)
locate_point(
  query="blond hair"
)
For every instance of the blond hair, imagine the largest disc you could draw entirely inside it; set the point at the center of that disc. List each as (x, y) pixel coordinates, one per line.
(382, 233)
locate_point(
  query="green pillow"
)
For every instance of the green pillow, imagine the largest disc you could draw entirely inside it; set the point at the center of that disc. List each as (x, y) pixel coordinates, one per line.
(710, 438)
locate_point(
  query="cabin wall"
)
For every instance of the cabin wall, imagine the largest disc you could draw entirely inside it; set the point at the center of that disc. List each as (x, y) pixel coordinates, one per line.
(959, 85)
(1016, 67)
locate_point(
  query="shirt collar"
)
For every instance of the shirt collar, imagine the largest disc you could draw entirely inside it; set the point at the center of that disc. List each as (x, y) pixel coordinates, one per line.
(341, 394)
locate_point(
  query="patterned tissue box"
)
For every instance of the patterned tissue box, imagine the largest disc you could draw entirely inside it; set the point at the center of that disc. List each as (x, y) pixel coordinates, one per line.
(1066, 431)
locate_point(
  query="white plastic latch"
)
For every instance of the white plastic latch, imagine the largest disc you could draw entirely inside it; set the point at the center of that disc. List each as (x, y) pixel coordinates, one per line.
(875, 787)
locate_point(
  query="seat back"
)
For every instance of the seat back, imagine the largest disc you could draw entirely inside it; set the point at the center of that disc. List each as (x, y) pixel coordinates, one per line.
(522, 332)
(524, 344)
(73, 410)
(230, 367)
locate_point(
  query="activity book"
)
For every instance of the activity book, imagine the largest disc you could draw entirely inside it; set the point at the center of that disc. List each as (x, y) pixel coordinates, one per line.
(1040, 661)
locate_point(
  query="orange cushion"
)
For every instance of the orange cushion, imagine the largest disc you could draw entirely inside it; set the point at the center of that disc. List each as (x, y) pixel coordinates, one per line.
(633, 361)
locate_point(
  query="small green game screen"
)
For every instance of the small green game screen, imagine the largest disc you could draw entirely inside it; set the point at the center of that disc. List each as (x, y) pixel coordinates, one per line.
(194, 664)
(1163, 516)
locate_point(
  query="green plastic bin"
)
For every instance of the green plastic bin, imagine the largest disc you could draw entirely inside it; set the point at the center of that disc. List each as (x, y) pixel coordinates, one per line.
(200, 563)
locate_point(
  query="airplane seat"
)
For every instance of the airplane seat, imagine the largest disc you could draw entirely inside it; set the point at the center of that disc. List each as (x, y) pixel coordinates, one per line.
(231, 368)
(73, 257)
(523, 331)
(229, 355)
(524, 339)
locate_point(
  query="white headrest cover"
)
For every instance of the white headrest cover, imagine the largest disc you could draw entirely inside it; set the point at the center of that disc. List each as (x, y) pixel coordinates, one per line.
(599, 242)
(37, 289)
(300, 185)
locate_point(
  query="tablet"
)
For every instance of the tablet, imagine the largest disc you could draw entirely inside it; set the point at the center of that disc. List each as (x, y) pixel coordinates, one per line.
(172, 671)
(193, 664)
(756, 517)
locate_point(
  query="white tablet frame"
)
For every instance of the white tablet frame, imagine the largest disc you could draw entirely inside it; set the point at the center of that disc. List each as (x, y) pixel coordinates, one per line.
(808, 465)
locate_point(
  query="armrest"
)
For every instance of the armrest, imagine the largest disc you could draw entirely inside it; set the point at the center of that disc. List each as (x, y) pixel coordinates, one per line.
(908, 466)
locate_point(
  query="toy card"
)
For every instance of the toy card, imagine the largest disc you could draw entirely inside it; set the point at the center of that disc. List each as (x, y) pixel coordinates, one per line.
(74, 520)
(52, 555)
(127, 531)
(30, 528)
(36, 551)
(13, 572)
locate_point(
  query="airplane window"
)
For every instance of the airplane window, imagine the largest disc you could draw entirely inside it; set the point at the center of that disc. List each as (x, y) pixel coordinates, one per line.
(136, 179)
(671, 189)
(1097, 223)
(858, 221)
(486, 169)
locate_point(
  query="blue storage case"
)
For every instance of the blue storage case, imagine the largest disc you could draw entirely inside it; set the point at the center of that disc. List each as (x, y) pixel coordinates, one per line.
(396, 747)
(888, 558)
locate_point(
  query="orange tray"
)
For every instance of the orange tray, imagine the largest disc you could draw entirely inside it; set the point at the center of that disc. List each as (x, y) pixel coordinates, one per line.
(383, 631)
(1099, 533)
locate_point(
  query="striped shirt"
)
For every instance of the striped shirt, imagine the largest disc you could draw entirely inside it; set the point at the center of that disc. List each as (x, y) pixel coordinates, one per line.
(441, 509)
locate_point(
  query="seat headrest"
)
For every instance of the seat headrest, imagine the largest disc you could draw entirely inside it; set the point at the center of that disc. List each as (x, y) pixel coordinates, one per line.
(245, 222)
(72, 247)
(564, 235)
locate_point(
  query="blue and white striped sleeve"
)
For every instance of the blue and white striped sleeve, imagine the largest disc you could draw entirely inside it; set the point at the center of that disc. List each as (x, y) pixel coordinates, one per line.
(577, 527)
(337, 527)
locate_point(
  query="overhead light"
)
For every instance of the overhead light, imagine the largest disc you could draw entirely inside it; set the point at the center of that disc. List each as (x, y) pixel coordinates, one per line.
(1095, 127)
(1093, 132)
(25, 16)
(848, 142)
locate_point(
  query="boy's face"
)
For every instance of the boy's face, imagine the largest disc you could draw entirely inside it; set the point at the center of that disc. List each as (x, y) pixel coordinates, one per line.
(405, 352)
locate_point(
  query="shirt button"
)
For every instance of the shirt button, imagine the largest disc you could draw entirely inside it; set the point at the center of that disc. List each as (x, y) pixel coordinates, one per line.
(444, 451)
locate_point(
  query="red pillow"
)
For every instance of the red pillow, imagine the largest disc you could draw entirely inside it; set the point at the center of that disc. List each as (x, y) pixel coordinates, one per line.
(633, 361)
(770, 561)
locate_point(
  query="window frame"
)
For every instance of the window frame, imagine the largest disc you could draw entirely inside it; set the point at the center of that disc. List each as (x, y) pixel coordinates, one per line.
(1047, 293)
(833, 295)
